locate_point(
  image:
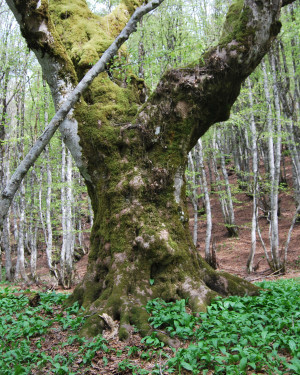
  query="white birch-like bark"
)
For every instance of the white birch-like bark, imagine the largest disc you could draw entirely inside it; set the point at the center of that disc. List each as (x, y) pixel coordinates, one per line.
(15, 215)
(194, 197)
(20, 266)
(33, 228)
(274, 152)
(6, 226)
(49, 186)
(218, 182)
(80, 235)
(63, 216)
(271, 158)
(7, 249)
(255, 180)
(68, 242)
(33, 255)
(78, 216)
(277, 151)
(41, 208)
(296, 215)
(69, 223)
(65, 96)
(291, 110)
(207, 202)
(48, 211)
(230, 223)
(219, 188)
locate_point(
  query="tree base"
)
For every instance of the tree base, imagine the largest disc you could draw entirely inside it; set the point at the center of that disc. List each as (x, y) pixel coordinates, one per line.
(129, 307)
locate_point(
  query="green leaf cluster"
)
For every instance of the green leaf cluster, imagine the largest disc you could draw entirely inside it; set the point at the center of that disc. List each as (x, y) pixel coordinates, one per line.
(23, 328)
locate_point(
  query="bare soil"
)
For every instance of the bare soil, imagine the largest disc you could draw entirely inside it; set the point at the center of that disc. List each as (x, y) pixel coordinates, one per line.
(232, 253)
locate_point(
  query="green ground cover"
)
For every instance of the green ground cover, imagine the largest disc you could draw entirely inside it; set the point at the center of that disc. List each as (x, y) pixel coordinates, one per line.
(248, 335)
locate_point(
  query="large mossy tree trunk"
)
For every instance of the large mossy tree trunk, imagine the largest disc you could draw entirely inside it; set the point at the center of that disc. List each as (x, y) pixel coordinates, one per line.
(141, 246)
(132, 155)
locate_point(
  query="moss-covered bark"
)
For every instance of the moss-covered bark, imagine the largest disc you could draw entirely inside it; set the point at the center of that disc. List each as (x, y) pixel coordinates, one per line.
(141, 232)
(135, 153)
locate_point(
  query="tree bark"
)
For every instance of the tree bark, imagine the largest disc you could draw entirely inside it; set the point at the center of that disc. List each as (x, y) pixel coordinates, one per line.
(230, 224)
(255, 181)
(194, 197)
(134, 154)
(208, 256)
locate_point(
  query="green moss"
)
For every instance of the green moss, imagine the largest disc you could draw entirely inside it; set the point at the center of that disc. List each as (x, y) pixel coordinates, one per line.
(139, 317)
(235, 26)
(76, 296)
(233, 16)
(133, 4)
(238, 286)
(93, 326)
(91, 292)
(32, 18)
(123, 333)
(87, 40)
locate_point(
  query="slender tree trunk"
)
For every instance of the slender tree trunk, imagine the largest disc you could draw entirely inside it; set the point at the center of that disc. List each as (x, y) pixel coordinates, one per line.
(69, 224)
(291, 110)
(20, 266)
(91, 214)
(297, 213)
(33, 227)
(41, 206)
(255, 181)
(230, 221)
(208, 256)
(274, 152)
(6, 226)
(49, 188)
(63, 217)
(194, 197)
(219, 190)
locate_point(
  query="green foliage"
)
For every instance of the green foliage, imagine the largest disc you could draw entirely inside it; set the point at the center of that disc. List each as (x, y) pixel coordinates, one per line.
(153, 341)
(21, 327)
(174, 319)
(237, 335)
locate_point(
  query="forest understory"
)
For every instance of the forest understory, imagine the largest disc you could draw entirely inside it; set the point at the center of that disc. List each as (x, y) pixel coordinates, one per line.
(232, 253)
(133, 355)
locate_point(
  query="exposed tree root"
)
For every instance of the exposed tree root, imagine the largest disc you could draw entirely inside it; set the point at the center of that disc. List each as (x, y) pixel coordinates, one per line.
(126, 298)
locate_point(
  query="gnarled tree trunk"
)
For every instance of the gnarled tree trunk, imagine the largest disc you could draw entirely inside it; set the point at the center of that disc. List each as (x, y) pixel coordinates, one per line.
(133, 155)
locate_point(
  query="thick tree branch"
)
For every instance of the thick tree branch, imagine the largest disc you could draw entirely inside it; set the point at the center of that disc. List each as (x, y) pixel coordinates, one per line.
(12, 186)
(189, 100)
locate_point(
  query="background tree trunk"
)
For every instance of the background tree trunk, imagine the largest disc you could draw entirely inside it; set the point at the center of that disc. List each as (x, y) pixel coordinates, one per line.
(208, 256)
(255, 181)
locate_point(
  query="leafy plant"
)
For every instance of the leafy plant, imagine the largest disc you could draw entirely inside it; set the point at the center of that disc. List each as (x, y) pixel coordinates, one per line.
(236, 334)
(174, 319)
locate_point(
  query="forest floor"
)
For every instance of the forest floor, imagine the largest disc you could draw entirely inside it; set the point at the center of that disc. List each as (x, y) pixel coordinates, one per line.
(232, 254)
